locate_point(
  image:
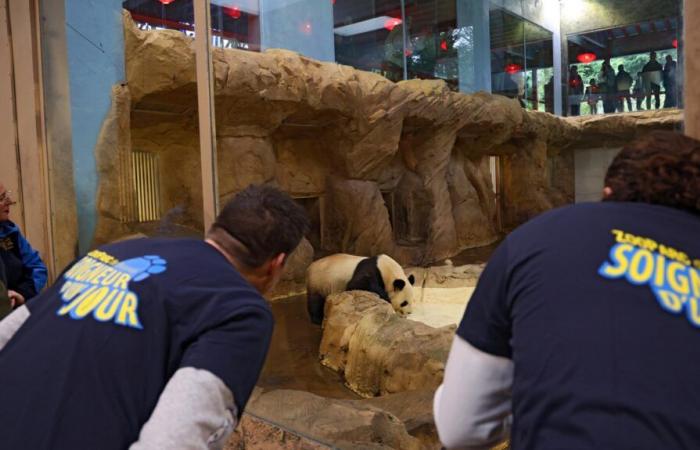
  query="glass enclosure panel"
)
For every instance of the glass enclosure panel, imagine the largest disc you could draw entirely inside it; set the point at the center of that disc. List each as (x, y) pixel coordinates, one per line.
(135, 143)
(508, 58)
(629, 64)
(433, 33)
(135, 139)
(369, 35)
(521, 59)
(539, 65)
(236, 24)
(161, 14)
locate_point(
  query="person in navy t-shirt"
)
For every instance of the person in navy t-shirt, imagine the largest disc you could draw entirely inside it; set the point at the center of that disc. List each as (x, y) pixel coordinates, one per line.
(149, 343)
(584, 329)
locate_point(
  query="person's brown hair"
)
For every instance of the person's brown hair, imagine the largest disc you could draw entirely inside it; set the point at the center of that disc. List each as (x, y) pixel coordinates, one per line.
(662, 168)
(263, 222)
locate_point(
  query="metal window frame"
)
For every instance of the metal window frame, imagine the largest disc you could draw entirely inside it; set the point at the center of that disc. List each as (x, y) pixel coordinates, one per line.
(207, 117)
(28, 149)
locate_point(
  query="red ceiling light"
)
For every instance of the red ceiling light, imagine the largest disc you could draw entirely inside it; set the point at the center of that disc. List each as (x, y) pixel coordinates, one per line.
(586, 57)
(443, 45)
(233, 12)
(166, 2)
(307, 28)
(390, 24)
(513, 68)
(675, 43)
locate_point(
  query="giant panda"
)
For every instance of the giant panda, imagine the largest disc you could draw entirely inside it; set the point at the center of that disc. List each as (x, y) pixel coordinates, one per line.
(342, 272)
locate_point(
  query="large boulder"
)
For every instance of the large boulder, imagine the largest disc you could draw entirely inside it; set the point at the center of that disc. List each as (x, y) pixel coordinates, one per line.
(289, 419)
(347, 309)
(254, 433)
(341, 423)
(377, 351)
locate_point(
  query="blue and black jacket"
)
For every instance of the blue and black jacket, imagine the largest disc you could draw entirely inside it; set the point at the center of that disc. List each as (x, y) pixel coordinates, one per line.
(25, 272)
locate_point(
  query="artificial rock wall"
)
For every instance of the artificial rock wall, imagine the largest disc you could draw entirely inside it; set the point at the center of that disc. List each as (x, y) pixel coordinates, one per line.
(399, 168)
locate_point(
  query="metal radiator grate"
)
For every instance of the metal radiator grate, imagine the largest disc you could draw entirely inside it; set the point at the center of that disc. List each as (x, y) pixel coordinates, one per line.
(145, 173)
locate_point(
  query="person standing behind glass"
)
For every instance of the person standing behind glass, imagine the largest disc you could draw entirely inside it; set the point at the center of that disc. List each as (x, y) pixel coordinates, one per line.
(670, 83)
(608, 85)
(652, 73)
(624, 84)
(591, 96)
(549, 96)
(25, 271)
(575, 91)
(639, 92)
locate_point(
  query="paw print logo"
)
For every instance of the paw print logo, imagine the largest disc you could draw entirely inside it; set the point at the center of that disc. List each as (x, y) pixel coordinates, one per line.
(143, 267)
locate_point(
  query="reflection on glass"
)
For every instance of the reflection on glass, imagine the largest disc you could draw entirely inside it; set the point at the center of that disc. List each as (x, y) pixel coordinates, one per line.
(635, 67)
(521, 60)
(433, 35)
(369, 35)
(539, 67)
(162, 14)
(236, 24)
(158, 170)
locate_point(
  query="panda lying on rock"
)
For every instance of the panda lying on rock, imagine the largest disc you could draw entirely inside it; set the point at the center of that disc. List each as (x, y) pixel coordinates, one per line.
(341, 272)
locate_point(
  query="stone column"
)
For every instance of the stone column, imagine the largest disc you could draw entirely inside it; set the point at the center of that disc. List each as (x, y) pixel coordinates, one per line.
(691, 62)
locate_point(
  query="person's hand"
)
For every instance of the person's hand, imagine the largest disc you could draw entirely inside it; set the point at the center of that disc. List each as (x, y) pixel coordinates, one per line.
(16, 299)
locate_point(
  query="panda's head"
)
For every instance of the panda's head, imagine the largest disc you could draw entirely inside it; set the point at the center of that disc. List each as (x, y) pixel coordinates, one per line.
(397, 284)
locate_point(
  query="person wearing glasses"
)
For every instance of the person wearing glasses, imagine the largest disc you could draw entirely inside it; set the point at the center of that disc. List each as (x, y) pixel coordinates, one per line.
(25, 272)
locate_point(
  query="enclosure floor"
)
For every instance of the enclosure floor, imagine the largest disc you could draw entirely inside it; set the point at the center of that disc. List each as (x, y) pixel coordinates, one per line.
(292, 362)
(441, 306)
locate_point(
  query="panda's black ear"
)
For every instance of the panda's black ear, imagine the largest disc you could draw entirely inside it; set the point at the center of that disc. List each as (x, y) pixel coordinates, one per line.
(412, 279)
(399, 284)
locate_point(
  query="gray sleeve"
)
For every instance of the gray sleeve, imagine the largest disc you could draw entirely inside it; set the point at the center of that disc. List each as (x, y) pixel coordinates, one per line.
(472, 407)
(12, 323)
(195, 411)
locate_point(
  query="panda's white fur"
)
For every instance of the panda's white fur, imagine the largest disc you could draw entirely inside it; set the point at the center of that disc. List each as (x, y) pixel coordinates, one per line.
(332, 274)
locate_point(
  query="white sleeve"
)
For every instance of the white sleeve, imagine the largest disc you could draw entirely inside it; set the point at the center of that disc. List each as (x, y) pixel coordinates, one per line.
(12, 323)
(195, 411)
(472, 407)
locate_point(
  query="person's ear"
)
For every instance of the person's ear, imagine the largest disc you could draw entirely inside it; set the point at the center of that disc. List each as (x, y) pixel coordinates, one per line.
(277, 263)
(607, 192)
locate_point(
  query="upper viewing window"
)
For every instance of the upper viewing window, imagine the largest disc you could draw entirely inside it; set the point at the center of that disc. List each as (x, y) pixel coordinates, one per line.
(630, 68)
(522, 65)
(616, 55)
(623, 57)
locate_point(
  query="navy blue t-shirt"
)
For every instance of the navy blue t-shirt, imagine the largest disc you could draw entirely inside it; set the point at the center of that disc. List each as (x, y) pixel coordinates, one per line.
(87, 368)
(598, 306)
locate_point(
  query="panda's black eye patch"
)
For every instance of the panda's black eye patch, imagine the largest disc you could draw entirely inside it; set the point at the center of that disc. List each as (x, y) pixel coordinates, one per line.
(399, 284)
(405, 302)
